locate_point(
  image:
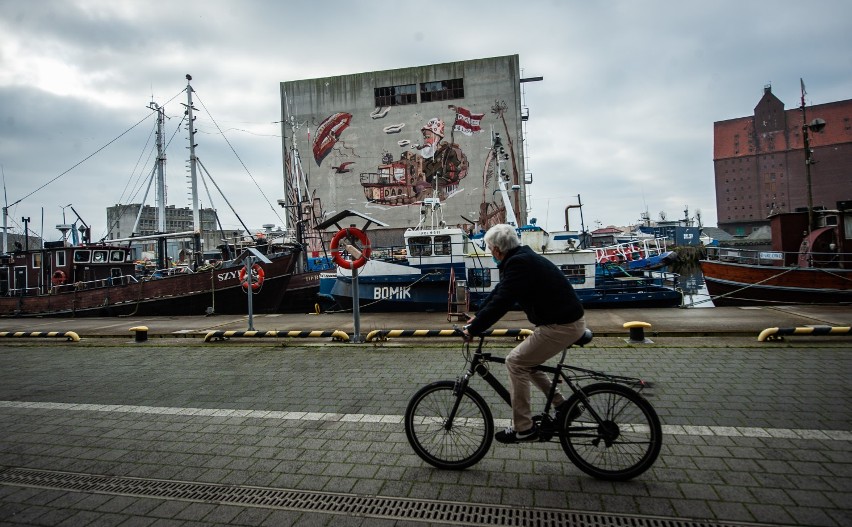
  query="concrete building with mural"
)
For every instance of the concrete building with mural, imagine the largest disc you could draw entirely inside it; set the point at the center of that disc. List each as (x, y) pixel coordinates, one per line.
(380, 142)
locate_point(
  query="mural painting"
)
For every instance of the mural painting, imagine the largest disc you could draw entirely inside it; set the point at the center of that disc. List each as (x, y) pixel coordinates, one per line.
(367, 165)
(433, 166)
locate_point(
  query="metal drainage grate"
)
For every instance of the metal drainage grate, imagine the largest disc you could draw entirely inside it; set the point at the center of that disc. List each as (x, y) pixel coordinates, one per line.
(334, 503)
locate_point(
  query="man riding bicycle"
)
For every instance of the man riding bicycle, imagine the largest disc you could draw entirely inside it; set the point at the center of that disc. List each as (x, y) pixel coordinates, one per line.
(550, 303)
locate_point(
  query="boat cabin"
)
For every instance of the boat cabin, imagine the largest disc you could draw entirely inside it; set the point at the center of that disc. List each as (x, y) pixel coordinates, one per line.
(828, 245)
(58, 267)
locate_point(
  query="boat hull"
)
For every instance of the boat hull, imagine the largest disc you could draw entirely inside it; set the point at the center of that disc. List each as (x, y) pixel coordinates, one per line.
(210, 291)
(302, 293)
(432, 295)
(732, 284)
(390, 294)
(609, 297)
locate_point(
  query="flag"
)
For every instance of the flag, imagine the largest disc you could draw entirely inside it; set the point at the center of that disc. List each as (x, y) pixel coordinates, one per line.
(467, 122)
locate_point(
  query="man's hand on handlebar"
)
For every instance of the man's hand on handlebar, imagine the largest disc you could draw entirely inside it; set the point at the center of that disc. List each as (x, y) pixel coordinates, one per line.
(463, 331)
(466, 329)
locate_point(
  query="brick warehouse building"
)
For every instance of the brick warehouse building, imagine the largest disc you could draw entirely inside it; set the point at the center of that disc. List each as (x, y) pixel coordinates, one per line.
(759, 162)
(380, 142)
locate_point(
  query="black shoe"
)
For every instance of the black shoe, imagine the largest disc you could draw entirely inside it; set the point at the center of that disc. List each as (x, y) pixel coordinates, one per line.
(509, 435)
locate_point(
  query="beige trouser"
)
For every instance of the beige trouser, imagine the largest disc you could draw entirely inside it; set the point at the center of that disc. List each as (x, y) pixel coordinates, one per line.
(544, 343)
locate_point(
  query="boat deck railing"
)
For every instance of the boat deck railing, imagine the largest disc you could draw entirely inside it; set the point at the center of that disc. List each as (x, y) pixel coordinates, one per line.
(778, 258)
(73, 286)
(632, 250)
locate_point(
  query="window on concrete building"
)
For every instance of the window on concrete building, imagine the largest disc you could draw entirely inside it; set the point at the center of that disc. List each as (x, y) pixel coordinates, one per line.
(442, 90)
(396, 95)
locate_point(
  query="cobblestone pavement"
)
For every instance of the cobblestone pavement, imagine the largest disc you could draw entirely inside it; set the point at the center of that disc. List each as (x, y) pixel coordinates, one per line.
(754, 433)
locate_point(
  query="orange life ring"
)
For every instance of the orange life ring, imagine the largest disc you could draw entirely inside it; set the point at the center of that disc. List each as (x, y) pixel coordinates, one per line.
(365, 248)
(257, 277)
(58, 278)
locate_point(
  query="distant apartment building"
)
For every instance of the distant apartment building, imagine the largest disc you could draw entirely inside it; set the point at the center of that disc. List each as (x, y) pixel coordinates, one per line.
(122, 218)
(759, 162)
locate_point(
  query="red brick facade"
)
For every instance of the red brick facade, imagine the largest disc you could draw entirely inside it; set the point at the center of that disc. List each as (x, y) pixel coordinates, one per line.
(759, 162)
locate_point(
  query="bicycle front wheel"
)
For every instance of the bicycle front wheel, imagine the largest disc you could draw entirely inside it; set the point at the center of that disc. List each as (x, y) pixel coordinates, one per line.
(449, 445)
(623, 443)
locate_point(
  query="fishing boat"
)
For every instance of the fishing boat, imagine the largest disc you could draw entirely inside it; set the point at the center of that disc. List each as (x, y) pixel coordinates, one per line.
(814, 269)
(103, 278)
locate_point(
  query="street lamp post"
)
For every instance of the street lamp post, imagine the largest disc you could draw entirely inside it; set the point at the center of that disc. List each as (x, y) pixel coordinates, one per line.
(814, 126)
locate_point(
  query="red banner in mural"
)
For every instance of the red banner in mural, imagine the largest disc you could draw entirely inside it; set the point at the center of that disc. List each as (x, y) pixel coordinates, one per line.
(467, 122)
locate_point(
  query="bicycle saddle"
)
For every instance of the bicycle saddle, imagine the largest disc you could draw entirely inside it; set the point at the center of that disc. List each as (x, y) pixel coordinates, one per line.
(585, 338)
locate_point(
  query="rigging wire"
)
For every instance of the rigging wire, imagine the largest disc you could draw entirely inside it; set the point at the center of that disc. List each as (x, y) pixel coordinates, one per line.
(238, 130)
(138, 181)
(93, 154)
(123, 208)
(210, 177)
(275, 212)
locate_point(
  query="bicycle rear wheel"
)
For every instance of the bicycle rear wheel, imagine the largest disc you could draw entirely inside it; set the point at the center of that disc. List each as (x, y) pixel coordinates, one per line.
(455, 445)
(623, 444)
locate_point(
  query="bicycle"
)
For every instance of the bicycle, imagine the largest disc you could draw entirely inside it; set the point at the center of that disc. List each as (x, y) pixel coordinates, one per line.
(606, 428)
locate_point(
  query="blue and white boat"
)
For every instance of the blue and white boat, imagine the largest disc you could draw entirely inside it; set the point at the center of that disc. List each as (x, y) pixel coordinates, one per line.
(414, 277)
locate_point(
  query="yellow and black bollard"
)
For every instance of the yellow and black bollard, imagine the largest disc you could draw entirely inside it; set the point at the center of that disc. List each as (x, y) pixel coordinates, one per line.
(141, 333)
(637, 332)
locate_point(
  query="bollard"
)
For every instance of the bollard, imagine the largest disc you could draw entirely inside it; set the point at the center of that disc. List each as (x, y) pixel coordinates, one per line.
(141, 333)
(637, 332)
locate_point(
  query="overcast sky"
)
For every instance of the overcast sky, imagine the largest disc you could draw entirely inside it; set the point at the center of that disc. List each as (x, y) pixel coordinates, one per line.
(624, 116)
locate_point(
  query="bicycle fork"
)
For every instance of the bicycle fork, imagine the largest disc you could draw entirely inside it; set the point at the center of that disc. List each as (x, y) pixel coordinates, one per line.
(462, 384)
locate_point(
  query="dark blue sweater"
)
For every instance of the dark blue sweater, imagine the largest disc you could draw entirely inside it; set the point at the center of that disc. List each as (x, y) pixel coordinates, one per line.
(537, 285)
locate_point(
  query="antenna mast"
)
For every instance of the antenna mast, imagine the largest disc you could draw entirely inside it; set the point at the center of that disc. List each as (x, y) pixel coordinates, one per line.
(193, 174)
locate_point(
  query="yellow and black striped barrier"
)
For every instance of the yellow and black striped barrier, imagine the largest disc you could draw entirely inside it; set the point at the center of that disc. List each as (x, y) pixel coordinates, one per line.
(222, 335)
(778, 333)
(70, 335)
(384, 334)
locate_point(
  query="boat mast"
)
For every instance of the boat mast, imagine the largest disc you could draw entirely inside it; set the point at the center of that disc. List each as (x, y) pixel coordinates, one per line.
(196, 216)
(5, 213)
(502, 157)
(161, 186)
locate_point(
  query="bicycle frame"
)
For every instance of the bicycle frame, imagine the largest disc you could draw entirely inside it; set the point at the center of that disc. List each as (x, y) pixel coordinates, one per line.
(477, 364)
